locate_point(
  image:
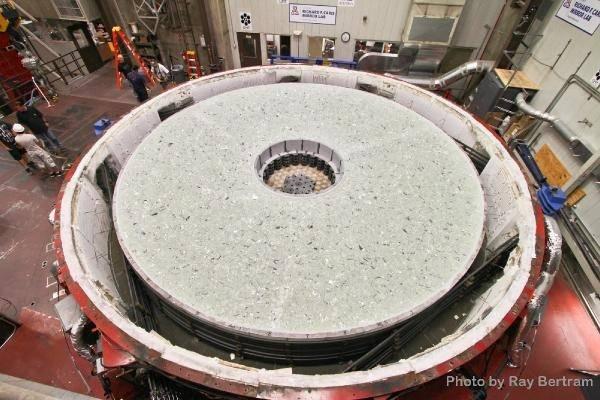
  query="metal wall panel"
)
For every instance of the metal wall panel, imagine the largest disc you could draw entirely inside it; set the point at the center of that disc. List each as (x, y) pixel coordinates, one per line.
(476, 21)
(385, 20)
(574, 106)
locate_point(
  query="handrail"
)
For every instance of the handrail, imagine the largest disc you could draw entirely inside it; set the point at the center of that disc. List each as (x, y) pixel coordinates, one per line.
(318, 61)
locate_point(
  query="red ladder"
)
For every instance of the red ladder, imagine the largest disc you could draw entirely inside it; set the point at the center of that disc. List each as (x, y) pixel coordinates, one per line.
(117, 33)
(192, 64)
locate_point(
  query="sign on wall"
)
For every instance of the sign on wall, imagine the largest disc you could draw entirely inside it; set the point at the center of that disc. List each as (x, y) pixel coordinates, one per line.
(584, 14)
(345, 3)
(596, 78)
(246, 21)
(311, 14)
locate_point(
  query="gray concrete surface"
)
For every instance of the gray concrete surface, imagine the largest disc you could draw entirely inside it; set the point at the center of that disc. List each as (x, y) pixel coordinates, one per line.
(13, 388)
(395, 234)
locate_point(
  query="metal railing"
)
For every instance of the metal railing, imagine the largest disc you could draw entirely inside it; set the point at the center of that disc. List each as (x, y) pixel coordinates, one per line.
(27, 85)
(314, 61)
(68, 65)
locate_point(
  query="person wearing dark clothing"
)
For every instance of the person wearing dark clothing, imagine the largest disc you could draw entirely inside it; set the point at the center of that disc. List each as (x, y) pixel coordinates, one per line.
(34, 120)
(124, 67)
(7, 139)
(138, 82)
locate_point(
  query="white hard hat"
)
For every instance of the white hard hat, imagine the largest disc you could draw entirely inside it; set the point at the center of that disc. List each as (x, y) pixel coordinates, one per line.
(18, 128)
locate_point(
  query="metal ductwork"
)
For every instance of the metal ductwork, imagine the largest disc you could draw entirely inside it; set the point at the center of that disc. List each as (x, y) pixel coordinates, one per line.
(77, 340)
(524, 337)
(445, 80)
(584, 150)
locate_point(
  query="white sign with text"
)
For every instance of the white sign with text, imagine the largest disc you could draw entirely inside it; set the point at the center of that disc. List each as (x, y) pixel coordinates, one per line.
(311, 14)
(584, 14)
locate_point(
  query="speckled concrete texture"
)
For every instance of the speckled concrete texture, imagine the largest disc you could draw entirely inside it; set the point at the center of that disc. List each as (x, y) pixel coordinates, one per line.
(392, 236)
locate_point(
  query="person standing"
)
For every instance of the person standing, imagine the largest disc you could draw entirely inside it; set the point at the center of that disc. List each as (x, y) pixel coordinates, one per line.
(124, 67)
(35, 121)
(138, 82)
(160, 72)
(35, 152)
(8, 142)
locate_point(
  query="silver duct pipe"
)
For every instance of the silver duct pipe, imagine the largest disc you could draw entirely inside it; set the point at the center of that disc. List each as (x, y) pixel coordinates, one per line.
(77, 338)
(523, 340)
(445, 80)
(562, 128)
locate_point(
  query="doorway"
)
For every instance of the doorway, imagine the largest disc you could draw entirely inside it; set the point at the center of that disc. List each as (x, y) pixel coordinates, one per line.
(321, 47)
(249, 48)
(278, 45)
(82, 38)
(286, 45)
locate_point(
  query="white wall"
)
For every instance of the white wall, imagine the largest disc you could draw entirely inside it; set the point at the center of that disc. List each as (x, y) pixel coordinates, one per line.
(574, 105)
(386, 21)
(90, 9)
(477, 20)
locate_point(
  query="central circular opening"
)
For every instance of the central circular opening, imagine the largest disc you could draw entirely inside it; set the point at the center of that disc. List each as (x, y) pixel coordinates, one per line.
(299, 167)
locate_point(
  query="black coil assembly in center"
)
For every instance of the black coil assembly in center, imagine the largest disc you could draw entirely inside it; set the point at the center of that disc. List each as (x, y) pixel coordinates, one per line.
(304, 159)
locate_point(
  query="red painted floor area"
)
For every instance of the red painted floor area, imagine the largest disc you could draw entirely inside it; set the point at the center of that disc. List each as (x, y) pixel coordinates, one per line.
(567, 337)
(28, 290)
(38, 351)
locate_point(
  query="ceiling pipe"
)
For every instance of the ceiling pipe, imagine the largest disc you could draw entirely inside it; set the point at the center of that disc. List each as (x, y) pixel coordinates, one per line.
(559, 125)
(445, 80)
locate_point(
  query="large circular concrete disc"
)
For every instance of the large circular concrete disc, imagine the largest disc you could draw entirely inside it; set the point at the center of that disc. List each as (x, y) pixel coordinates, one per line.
(390, 238)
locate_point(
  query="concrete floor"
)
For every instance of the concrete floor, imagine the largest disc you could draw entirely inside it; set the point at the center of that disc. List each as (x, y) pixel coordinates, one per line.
(28, 289)
(567, 337)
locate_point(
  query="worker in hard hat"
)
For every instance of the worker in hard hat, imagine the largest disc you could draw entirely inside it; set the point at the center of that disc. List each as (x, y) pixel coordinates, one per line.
(35, 151)
(33, 119)
(7, 140)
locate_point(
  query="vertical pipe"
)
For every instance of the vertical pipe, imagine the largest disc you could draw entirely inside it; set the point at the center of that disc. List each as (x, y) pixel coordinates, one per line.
(59, 72)
(207, 30)
(121, 18)
(191, 26)
(561, 54)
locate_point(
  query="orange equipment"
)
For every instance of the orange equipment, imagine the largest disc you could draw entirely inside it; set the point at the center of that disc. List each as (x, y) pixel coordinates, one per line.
(117, 33)
(192, 64)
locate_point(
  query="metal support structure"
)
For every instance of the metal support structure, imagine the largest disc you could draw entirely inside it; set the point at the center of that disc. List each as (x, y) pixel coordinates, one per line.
(120, 14)
(185, 25)
(24, 12)
(208, 33)
(589, 167)
(40, 41)
(148, 12)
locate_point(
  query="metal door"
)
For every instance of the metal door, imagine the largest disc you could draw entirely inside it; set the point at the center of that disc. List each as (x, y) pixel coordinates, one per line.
(249, 47)
(82, 39)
